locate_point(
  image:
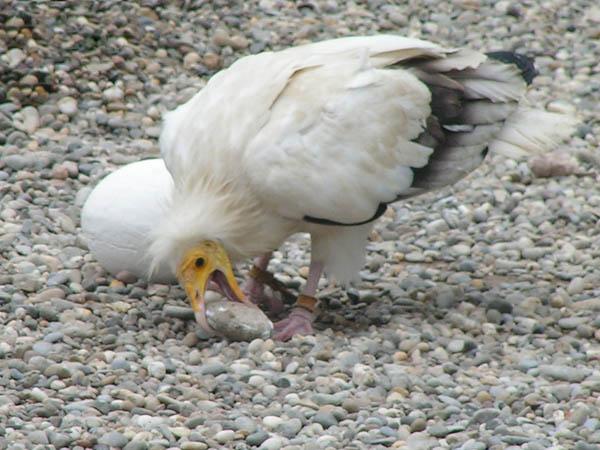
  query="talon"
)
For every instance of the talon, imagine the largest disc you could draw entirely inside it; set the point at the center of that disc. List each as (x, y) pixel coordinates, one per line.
(298, 322)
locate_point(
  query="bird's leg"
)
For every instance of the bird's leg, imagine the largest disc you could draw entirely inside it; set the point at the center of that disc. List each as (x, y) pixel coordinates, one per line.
(254, 287)
(303, 314)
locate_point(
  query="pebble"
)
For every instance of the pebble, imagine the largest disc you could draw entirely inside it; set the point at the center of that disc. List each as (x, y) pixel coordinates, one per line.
(238, 322)
(222, 437)
(273, 443)
(157, 369)
(15, 56)
(190, 445)
(68, 105)
(31, 119)
(485, 415)
(564, 373)
(419, 424)
(456, 346)
(257, 438)
(325, 419)
(38, 437)
(113, 94)
(113, 439)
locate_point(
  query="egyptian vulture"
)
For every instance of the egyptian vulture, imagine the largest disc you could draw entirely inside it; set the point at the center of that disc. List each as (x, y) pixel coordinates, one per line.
(320, 138)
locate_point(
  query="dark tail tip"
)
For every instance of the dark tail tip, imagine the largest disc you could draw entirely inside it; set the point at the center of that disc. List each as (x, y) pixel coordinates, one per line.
(524, 63)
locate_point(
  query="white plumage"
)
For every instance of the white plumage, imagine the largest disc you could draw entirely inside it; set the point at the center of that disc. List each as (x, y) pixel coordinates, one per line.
(119, 214)
(320, 138)
(332, 131)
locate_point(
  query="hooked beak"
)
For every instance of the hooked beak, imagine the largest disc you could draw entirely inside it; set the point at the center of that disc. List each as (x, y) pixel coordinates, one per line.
(204, 267)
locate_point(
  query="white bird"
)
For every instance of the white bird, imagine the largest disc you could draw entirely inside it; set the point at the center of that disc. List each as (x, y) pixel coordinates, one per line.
(320, 138)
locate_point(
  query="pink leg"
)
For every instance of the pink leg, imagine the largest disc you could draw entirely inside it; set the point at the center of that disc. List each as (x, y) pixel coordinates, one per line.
(255, 290)
(301, 318)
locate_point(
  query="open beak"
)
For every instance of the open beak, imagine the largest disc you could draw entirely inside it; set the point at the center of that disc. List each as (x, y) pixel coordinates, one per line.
(216, 273)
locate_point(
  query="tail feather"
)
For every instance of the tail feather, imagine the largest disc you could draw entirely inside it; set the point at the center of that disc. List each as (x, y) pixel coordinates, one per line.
(475, 108)
(523, 62)
(531, 131)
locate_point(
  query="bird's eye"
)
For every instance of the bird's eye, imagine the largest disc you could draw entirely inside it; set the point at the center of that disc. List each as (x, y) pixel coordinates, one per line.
(199, 262)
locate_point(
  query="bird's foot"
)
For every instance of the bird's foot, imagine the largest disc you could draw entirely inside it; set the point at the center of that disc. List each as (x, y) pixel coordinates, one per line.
(300, 319)
(298, 322)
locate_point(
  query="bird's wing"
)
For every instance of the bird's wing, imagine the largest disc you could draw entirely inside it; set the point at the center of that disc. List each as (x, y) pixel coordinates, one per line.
(331, 132)
(363, 127)
(211, 131)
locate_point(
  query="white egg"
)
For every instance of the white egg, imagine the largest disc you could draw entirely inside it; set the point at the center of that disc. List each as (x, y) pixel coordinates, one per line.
(119, 214)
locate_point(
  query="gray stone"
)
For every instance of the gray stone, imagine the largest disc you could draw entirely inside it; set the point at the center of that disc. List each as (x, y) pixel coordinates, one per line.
(257, 438)
(68, 105)
(224, 436)
(121, 364)
(325, 418)
(137, 445)
(59, 440)
(237, 321)
(485, 415)
(564, 373)
(213, 368)
(289, 428)
(113, 439)
(157, 369)
(113, 94)
(38, 437)
(273, 443)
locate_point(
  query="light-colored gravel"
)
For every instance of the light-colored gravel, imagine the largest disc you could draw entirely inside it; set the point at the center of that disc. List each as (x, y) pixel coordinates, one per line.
(476, 323)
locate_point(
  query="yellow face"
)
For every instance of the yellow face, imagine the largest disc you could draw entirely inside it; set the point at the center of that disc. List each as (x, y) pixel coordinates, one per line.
(206, 262)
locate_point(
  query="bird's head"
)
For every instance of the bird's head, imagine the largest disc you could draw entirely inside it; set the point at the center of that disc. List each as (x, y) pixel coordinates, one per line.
(207, 262)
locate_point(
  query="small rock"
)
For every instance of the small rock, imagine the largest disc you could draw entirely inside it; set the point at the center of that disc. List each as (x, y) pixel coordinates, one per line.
(576, 286)
(553, 165)
(15, 56)
(178, 312)
(224, 436)
(38, 437)
(570, 323)
(419, 424)
(141, 445)
(272, 422)
(31, 119)
(211, 61)
(456, 346)
(237, 321)
(257, 438)
(485, 415)
(213, 367)
(59, 440)
(325, 418)
(220, 37)
(239, 42)
(113, 94)
(157, 369)
(363, 375)
(273, 443)
(437, 226)
(564, 373)
(126, 277)
(68, 105)
(289, 428)
(192, 445)
(113, 439)
(191, 59)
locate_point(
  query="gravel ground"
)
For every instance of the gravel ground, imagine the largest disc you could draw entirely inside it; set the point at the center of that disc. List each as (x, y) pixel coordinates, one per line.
(475, 326)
